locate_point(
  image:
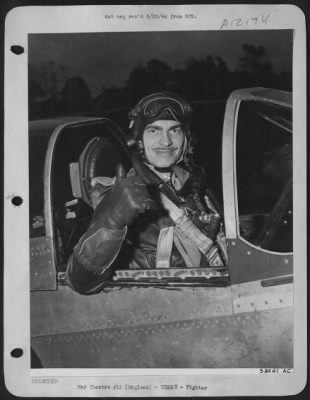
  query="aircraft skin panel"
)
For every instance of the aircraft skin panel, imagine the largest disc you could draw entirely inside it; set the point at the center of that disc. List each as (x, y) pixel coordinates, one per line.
(187, 328)
(65, 311)
(248, 340)
(258, 295)
(41, 254)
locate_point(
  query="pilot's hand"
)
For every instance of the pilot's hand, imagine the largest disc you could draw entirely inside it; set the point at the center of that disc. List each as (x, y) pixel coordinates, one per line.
(128, 199)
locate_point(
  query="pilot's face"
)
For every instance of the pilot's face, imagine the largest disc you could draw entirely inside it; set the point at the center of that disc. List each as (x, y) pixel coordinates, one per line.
(163, 142)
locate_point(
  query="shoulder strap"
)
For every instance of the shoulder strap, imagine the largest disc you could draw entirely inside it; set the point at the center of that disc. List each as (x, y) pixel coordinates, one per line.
(164, 247)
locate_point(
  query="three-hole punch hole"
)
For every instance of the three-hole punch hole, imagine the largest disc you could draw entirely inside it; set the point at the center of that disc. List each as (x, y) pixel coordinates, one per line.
(17, 201)
(16, 49)
(17, 353)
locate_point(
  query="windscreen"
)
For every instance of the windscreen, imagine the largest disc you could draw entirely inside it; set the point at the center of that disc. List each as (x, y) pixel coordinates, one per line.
(264, 175)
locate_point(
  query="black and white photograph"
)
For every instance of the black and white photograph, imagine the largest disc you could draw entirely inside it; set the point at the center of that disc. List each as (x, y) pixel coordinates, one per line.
(161, 160)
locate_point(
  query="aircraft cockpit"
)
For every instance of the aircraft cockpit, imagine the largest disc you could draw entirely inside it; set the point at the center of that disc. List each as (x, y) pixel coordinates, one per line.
(256, 180)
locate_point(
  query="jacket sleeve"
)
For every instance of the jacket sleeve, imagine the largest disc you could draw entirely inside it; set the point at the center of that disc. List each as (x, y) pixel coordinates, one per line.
(90, 265)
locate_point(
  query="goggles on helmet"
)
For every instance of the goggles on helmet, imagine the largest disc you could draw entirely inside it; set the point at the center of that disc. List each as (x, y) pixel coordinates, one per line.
(155, 105)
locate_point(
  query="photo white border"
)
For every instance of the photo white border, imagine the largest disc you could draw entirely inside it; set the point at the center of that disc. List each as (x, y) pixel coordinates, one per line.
(77, 19)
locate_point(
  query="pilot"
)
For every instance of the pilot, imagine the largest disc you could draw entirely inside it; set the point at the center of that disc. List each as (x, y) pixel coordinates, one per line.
(158, 214)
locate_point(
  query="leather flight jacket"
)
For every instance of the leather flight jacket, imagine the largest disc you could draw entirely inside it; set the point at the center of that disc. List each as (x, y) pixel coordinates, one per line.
(103, 248)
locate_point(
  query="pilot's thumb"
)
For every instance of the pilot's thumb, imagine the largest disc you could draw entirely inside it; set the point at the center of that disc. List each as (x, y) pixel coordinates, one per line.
(120, 172)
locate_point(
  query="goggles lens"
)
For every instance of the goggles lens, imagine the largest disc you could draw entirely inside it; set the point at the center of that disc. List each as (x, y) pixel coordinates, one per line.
(155, 107)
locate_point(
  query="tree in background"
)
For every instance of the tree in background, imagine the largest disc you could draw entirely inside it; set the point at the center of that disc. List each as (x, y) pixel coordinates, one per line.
(254, 68)
(46, 81)
(205, 80)
(254, 59)
(39, 100)
(75, 96)
(155, 76)
(50, 76)
(202, 79)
